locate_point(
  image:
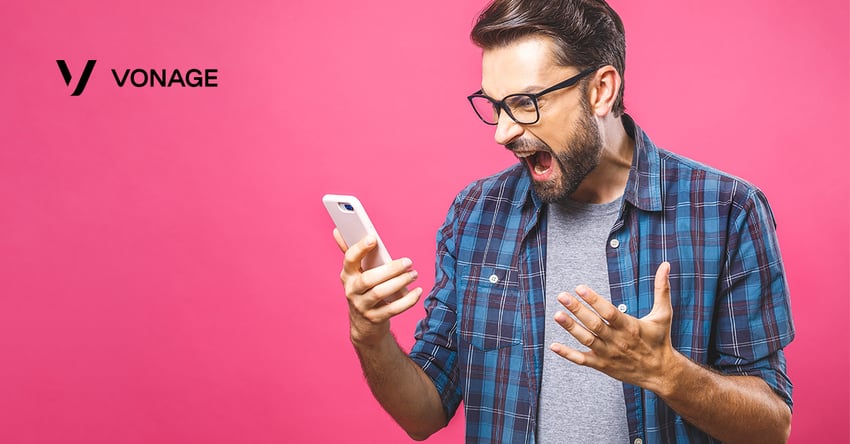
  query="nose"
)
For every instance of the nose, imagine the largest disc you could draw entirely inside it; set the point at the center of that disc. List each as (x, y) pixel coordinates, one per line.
(506, 129)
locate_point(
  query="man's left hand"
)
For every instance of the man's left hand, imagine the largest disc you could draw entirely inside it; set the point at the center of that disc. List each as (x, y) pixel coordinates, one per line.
(632, 350)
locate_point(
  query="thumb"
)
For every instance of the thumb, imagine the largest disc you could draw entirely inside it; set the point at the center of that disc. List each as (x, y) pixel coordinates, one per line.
(662, 307)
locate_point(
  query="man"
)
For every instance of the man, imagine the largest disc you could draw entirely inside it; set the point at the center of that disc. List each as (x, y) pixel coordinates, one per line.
(674, 326)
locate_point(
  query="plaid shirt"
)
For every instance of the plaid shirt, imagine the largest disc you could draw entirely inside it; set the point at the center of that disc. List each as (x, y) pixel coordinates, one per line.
(481, 341)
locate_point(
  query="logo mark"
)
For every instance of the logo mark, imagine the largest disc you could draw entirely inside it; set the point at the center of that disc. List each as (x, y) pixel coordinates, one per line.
(84, 78)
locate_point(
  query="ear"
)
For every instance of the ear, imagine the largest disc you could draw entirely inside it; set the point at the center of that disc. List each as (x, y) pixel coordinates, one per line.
(603, 89)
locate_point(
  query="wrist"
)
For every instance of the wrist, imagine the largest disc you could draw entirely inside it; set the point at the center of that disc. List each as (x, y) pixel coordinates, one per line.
(673, 377)
(369, 336)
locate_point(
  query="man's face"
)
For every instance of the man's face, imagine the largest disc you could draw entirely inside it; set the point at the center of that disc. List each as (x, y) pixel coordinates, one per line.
(565, 144)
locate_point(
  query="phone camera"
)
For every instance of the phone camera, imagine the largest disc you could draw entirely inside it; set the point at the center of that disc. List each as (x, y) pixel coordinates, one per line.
(347, 206)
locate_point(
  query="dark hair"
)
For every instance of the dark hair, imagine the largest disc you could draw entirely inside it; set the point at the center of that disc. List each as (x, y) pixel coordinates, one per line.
(587, 33)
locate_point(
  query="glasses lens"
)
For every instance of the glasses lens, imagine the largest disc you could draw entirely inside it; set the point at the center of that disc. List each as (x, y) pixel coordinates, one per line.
(485, 109)
(523, 107)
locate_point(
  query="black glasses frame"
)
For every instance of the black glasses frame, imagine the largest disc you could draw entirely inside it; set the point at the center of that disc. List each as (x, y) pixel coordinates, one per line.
(499, 105)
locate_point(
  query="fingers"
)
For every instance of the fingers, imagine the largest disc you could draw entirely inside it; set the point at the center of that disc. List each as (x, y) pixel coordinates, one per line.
(581, 358)
(603, 308)
(583, 335)
(388, 297)
(598, 317)
(385, 283)
(619, 345)
(384, 312)
(355, 254)
(385, 279)
(340, 242)
(378, 293)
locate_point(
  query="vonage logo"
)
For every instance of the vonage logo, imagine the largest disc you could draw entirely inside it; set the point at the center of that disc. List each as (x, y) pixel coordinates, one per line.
(84, 78)
(139, 78)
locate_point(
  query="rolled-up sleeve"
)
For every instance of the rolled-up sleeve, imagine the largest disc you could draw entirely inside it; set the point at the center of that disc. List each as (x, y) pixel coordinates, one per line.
(435, 349)
(753, 309)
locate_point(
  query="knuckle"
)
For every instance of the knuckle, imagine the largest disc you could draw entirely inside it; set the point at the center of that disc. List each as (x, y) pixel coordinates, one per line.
(350, 294)
(567, 323)
(346, 285)
(633, 331)
(608, 313)
(580, 359)
(596, 325)
(622, 346)
(359, 283)
(352, 286)
(602, 365)
(380, 292)
(372, 317)
(354, 308)
(353, 255)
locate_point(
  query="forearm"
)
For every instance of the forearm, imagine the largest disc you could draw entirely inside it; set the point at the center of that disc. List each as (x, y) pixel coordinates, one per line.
(401, 387)
(733, 409)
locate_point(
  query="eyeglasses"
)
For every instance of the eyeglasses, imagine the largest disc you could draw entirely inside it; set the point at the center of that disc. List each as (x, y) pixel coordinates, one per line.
(522, 108)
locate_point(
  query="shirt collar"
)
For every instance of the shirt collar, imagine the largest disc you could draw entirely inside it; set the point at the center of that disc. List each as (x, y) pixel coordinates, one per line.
(643, 188)
(525, 190)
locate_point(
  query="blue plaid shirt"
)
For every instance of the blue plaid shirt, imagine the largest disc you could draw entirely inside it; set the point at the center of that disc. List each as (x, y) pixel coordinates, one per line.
(481, 341)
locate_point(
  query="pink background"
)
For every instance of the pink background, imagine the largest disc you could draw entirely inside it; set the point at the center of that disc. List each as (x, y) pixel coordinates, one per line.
(167, 272)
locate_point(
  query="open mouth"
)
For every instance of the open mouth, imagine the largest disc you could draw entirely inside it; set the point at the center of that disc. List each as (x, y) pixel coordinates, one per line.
(539, 162)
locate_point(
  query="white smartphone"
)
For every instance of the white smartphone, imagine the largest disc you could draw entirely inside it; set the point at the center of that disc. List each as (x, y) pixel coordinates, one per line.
(353, 224)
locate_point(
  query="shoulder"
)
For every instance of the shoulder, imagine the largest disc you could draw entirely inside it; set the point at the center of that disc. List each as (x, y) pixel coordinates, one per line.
(502, 201)
(511, 187)
(685, 180)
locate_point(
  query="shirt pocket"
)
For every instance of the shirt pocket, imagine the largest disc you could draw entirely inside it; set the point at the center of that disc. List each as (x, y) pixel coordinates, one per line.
(490, 317)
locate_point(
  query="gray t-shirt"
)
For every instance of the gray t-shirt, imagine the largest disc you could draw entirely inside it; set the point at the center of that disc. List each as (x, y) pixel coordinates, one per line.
(577, 404)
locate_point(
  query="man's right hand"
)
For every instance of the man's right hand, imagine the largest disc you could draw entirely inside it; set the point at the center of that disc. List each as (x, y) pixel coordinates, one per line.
(375, 295)
(401, 386)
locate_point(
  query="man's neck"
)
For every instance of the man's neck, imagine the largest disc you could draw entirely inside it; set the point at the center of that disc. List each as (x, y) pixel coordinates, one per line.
(607, 181)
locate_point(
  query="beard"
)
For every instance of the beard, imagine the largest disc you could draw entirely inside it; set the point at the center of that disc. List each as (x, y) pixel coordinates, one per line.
(582, 155)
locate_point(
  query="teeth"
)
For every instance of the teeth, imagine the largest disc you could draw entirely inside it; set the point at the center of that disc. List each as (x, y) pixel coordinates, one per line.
(524, 155)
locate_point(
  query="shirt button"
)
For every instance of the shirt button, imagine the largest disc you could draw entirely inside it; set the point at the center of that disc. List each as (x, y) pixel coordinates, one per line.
(638, 441)
(623, 308)
(494, 279)
(614, 243)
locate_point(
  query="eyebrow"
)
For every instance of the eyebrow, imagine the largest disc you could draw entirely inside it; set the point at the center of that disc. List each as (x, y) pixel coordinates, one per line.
(531, 89)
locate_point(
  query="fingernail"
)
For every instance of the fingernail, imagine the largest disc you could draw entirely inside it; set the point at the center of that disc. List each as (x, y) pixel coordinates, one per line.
(369, 239)
(581, 290)
(565, 299)
(414, 274)
(406, 262)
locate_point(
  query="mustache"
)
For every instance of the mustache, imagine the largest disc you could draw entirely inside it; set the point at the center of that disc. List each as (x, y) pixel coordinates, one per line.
(526, 144)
